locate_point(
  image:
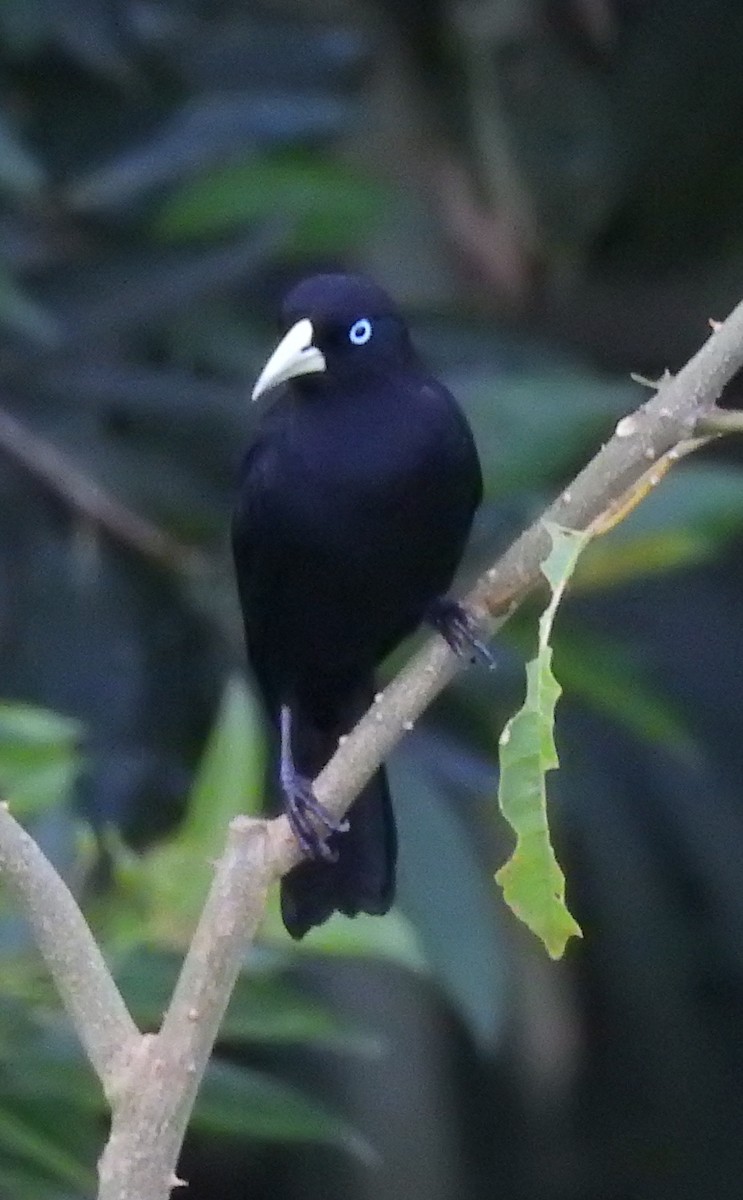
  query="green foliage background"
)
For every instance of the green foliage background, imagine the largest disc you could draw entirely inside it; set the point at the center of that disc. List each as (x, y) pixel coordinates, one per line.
(552, 190)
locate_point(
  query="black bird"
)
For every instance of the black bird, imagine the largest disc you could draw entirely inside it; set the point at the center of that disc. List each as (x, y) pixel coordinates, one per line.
(356, 498)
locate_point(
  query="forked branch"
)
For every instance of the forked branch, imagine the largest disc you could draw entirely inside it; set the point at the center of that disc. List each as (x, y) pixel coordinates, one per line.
(151, 1080)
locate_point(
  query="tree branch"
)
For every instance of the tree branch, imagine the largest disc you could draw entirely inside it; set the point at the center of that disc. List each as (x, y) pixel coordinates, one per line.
(722, 420)
(152, 1081)
(75, 963)
(150, 1121)
(89, 499)
(664, 425)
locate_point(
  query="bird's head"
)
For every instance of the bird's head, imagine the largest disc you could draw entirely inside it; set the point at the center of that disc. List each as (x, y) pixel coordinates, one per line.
(338, 328)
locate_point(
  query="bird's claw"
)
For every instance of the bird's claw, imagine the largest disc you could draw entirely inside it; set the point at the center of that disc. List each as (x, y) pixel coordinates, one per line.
(457, 628)
(303, 809)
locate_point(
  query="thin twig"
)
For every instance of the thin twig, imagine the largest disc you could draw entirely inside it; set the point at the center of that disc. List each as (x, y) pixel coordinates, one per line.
(56, 472)
(722, 420)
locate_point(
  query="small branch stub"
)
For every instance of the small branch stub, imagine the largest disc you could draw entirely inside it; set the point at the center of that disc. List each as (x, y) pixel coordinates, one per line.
(719, 421)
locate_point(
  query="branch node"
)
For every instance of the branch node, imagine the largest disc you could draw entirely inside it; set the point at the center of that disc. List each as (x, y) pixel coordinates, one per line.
(627, 426)
(242, 826)
(652, 384)
(126, 1066)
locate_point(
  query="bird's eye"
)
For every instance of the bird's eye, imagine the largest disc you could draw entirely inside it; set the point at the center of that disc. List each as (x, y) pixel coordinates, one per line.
(360, 332)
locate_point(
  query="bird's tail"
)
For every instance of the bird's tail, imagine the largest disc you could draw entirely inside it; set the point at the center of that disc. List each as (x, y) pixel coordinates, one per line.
(362, 879)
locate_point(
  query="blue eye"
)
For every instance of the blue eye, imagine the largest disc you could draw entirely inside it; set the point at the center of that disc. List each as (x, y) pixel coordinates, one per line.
(360, 332)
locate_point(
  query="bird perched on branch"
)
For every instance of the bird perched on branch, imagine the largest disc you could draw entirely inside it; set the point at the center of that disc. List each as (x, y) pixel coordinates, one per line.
(356, 498)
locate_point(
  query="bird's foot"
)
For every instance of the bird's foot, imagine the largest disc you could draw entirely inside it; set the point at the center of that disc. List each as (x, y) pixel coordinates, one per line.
(304, 812)
(457, 627)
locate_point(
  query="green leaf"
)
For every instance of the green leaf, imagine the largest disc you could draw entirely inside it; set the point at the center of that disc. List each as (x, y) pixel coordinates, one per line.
(230, 776)
(174, 876)
(394, 938)
(36, 726)
(329, 204)
(238, 1102)
(693, 511)
(22, 1138)
(443, 902)
(531, 426)
(533, 884)
(614, 682)
(42, 1073)
(263, 1006)
(39, 757)
(26, 1183)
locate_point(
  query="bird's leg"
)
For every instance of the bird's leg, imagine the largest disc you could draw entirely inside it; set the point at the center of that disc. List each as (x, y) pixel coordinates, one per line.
(300, 802)
(456, 626)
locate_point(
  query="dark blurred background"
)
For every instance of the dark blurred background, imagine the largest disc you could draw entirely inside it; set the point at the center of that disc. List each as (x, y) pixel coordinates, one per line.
(552, 189)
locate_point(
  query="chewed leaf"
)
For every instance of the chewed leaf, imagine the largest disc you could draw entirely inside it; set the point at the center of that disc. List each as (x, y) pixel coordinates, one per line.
(533, 884)
(558, 566)
(532, 881)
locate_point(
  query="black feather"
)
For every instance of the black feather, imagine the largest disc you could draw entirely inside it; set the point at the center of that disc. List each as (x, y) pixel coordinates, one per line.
(356, 498)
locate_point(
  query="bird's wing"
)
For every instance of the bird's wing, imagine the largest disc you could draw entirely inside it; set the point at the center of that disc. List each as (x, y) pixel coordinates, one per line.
(254, 548)
(459, 442)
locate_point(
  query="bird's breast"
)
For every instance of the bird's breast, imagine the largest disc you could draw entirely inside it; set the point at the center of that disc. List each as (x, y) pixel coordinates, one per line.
(367, 513)
(374, 482)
